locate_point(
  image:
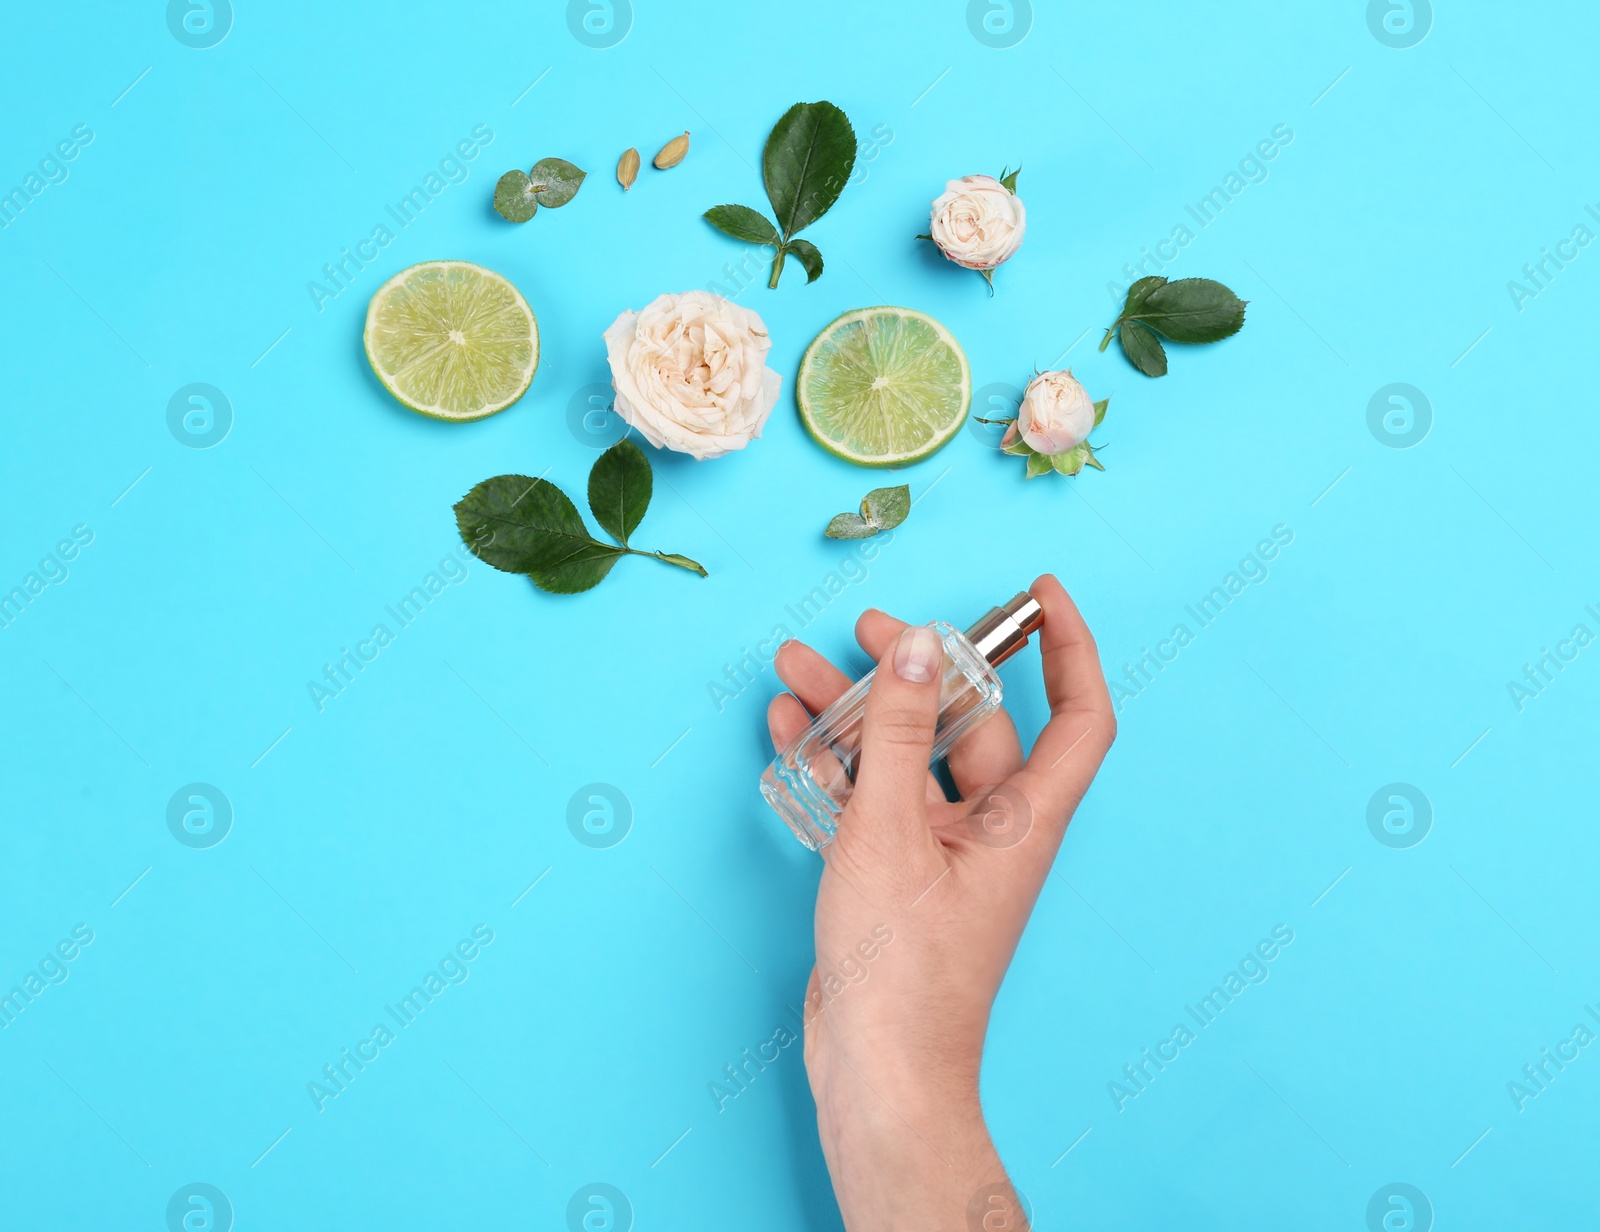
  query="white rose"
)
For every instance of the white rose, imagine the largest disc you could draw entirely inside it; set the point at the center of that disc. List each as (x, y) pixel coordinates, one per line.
(977, 222)
(1056, 414)
(690, 373)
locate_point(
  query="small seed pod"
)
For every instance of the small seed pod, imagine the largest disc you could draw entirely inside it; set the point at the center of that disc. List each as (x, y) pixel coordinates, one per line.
(672, 153)
(628, 168)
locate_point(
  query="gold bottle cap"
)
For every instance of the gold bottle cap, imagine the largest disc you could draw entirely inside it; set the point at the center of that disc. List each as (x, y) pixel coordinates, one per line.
(1004, 630)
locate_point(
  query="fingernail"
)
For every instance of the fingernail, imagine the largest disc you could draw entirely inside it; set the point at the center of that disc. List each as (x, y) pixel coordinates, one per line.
(917, 654)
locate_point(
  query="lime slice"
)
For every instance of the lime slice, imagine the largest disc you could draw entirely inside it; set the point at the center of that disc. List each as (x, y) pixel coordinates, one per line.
(452, 340)
(884, 387)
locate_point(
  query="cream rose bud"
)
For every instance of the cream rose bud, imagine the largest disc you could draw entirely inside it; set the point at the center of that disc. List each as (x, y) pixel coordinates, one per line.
(1056, 414)
(978, 222)
(690, 373)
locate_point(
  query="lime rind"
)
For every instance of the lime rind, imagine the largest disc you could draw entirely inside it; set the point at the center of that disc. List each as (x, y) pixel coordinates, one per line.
(884, 387)
(452, 340)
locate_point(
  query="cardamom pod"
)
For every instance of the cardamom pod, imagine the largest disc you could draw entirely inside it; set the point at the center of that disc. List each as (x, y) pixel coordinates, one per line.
(628, 168)
(672, 153)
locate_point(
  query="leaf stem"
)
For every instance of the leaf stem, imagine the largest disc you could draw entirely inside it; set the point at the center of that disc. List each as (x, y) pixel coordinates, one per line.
(671, 558)
(777, 268)
(1106, 341)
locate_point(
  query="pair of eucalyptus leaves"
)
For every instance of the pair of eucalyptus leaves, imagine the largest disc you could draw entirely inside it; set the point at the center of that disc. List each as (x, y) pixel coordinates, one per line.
(552, 183)
(523, 525)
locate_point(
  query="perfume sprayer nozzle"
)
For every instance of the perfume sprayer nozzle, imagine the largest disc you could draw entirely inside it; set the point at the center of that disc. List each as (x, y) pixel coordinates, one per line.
(1004, 630)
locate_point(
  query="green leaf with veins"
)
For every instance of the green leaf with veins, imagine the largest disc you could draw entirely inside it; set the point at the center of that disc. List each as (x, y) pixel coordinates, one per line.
(805, 165)
(806, 253)
(519, 524)
(619, 489)
(1193, 310)
(809, 156)
(743, 223)
(1143, 349)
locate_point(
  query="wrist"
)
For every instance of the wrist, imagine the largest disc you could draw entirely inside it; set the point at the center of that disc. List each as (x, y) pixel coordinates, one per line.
(903, 1154)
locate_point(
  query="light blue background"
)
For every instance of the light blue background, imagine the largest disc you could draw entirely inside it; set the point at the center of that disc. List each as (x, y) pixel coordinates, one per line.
(373, 836)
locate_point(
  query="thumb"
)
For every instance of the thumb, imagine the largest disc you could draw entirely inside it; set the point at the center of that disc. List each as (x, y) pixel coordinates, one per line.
(897, 736)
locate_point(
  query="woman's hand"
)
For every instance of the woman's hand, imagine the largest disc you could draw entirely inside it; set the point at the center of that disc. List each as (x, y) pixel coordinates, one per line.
(919, 911)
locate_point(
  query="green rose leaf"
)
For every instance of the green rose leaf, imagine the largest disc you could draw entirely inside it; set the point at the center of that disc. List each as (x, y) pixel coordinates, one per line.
(523, 525)
(555, 181)
(1008, 180)
(1139, 292)
(513, 197)
(519, 524)
(806, 253)
(582, 569)
(1191, 310)
(619, 489)
(1100, 411)
(1038, 464)
(743, 223)
(1143, 349)
(809, 156)
(886, 508)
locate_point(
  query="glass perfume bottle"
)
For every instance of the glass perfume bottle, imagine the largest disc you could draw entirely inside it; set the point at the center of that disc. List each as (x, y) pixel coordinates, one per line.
(809, 782)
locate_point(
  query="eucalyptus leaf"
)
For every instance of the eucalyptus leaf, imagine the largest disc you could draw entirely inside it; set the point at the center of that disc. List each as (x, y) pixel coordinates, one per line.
(886, 508)
(881, 509)
(850, 526)
(555, 181)
(743, 223)
(513, 197)
(619, 489)
(809, 156)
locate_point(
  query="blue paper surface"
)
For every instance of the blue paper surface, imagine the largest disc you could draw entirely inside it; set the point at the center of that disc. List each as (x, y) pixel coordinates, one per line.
(1359, 744)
